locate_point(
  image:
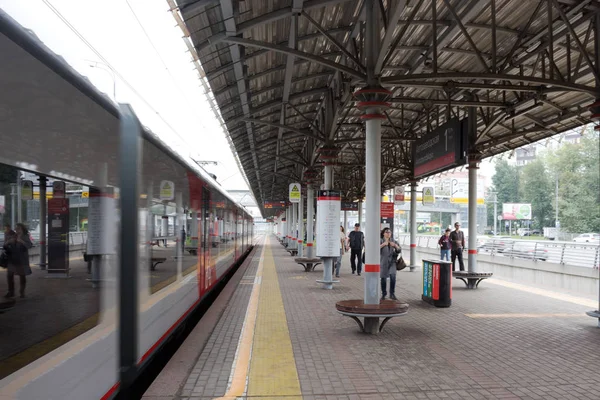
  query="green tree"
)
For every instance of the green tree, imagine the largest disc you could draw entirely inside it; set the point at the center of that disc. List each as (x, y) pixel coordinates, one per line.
(577, 168)
(536, 188)
(506, 183)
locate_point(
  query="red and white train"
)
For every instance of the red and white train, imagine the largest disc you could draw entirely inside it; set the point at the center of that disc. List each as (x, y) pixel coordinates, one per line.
(54, 123)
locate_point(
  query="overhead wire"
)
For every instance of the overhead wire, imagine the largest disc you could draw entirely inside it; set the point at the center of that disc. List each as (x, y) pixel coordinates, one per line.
(109, 65)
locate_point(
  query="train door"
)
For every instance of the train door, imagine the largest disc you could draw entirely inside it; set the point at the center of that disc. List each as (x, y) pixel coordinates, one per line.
(204, 239)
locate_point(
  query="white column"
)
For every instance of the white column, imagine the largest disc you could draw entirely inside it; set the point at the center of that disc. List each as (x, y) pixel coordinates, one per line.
(301, 227)
(295, 225)
(472, 245)
(328, 261)
(178, 227)
(360, 205)
(413, 225)
(310, 215)
(373, 215)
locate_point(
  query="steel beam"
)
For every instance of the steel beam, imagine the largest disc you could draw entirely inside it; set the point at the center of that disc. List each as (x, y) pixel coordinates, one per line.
(403, 79)
(392, 21)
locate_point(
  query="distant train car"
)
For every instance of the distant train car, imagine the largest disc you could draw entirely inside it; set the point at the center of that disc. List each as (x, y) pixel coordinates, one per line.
(54, 123)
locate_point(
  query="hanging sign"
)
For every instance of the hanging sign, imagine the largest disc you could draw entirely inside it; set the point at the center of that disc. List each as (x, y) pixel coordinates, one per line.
(349, 206)
(428, 195)
(295, 192)
(58, 190)
(167, 190)
(26, 190)
(329, 204)
(399, 195)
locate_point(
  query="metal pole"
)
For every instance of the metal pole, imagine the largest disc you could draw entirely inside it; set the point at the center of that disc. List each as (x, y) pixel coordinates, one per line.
(556, 223)
(301, 227)
(413, 225)
(472, 266)
(294, 226)
(12, 205)
(360, 206)
(373, 212)
(328, 261)
(43, 221)
(310, 215)
(19, 201)
(345, 220)
(179, 226)
(130, 158)
(495, 213)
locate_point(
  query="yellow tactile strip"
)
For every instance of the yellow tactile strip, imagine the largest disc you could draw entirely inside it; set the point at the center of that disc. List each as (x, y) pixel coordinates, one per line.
(272, 366)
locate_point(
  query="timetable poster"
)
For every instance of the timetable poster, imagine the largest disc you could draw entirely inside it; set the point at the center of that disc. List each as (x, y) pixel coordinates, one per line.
(329, 207)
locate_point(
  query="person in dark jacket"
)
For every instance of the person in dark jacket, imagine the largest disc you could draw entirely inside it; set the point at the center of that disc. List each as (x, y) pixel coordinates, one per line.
(357, 242)
(17, 250)
(388, 252)
(457, 238)
(445, 245)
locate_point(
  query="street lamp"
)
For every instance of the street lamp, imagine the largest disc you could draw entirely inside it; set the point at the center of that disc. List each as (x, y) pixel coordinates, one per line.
(104, 67)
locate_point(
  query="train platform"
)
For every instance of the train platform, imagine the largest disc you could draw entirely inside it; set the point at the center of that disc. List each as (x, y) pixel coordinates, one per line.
(57, 310)
(274, 333)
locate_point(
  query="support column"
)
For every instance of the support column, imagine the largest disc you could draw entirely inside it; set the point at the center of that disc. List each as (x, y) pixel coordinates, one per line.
(310, 216)
(328, 262)
(301, 227)
(43, 221)
(179, 225)
(19, 199)
(294, 226)
(345, 221)
(373, 211)
(360, 213)
(472, 245)
(413, 225)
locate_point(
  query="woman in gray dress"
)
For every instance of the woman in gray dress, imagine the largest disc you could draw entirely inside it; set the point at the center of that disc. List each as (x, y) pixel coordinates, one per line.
(17, 250)
(388, 252)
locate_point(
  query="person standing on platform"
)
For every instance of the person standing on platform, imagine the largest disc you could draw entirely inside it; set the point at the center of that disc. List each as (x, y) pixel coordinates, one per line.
(388, 252)
(357, 243)
(445, 245)
(338, 263)
(457, 238)
(17, 251)
(8, 233)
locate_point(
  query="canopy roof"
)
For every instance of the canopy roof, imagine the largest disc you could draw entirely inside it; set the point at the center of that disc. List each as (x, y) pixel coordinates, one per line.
(283, 74)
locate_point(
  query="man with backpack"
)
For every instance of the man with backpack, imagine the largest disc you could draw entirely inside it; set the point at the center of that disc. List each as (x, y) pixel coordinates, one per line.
(357, 243)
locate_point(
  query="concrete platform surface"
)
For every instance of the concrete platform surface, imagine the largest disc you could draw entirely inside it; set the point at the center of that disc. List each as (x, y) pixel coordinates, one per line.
(280, 337)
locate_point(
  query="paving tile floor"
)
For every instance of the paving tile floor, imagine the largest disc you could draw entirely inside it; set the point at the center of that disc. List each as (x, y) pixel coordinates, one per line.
(476, 349)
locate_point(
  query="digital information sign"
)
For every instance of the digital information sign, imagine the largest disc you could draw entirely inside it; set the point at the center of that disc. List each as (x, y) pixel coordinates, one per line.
(442, 149)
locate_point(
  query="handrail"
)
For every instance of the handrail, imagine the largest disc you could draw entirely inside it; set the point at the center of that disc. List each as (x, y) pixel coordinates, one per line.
(565, 253)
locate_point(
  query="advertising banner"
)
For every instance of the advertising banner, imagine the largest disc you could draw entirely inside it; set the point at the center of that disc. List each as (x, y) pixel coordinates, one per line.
(515, 211)
(329, 204)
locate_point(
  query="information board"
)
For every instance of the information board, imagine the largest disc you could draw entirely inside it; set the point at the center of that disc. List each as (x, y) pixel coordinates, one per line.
(274, 204)
(58, 236)
(329, 206)
(443, 148)
(102, 227)
(386, 214)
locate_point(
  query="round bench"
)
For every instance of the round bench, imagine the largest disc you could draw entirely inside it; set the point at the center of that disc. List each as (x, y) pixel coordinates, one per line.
(387, 309)
(471, 279)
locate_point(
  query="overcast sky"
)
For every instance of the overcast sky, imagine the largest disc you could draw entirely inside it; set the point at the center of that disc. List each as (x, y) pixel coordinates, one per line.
(157, 66)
